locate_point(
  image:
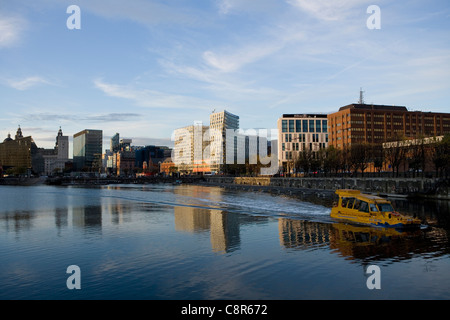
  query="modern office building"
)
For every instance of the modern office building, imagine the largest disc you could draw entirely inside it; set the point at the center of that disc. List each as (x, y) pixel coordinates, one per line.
(365, 123)
(219, 123)
(87, 149)
(298, 133)
(191, 153)
(115, 143)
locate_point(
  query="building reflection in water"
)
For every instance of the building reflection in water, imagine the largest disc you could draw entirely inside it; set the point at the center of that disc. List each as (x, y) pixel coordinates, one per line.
(17, 221)
(361, 243)
(300, 234)
(222, 226)
(87, 215)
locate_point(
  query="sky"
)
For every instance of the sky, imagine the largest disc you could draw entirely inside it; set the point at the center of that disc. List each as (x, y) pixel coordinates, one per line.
(144, 68)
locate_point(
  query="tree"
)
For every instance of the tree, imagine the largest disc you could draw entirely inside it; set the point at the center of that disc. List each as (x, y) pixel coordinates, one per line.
(333, 159)
(395, 153)
(359, 156)
(417, 155)
(377, 154)
(304, 160)
(441, 157)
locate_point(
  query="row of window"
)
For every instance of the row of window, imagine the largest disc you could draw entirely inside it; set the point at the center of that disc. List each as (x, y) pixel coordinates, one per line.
(289, 155)
(304, 125)
(301, 137)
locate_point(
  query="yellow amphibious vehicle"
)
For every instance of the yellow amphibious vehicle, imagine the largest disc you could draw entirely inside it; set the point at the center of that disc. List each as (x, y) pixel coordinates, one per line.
(360, 208)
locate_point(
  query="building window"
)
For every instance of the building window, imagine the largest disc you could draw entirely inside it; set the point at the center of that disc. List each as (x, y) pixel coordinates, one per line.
(298, 126)
(284, 126)
(291, 125)
(311, 125)
(318, 127)
(305, 125)
(324, 126)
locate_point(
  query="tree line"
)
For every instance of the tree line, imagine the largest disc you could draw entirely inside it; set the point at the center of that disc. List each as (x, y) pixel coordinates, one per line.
(400, 156)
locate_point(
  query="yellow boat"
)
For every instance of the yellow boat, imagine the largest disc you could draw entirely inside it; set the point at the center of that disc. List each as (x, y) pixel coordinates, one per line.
(360, 208)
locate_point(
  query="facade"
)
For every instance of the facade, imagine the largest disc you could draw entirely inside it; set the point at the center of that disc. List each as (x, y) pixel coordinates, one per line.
(149, 158)
(17, 154)
(219, 123)
(125, 162)
(363, 123)
(167, 167)
(191, 149)
(298, 133)
(55, 160)
(87, 149)
(115, 142)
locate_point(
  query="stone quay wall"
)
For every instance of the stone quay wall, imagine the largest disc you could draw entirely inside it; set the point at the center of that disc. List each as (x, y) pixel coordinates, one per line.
(418, 187)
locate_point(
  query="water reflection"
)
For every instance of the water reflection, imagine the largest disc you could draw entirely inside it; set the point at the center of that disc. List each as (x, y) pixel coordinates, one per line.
(300, 234)
(363, 244)
(17, 221)
(200, 210)
(222, 226)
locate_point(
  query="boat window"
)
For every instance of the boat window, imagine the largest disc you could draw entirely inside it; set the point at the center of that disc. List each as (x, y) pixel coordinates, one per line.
(357, 204)
(344, 202)
(350, 203)
(364, 207)
(373, 207)
(385, 207)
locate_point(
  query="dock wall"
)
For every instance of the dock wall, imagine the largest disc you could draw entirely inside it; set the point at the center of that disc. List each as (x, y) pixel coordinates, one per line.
(430, 188)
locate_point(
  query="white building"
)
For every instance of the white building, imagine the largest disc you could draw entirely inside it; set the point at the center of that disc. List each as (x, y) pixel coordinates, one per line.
(219, 122)
(55, 159)
(191, 148)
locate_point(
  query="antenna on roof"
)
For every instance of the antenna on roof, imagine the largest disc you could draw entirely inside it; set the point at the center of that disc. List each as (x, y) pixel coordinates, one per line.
(361, 96)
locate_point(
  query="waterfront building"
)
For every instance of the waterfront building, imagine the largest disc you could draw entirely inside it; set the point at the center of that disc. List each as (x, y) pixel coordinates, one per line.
(299, 133)
(87, 149)
(114, 143)
(191, 149)
(125, 162)
(219, 123)
(55, 160)
(17, 154)
(149, 158)
(376, 124)
(167, 167)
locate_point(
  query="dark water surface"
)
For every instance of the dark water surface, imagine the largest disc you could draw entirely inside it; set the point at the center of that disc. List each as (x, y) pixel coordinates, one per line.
(196, 242)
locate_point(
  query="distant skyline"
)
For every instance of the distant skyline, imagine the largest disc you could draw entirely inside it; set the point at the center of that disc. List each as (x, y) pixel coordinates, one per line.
(144, 68)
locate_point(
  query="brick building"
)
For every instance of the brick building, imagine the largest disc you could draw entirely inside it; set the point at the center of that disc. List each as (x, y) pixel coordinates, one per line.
(364, 123)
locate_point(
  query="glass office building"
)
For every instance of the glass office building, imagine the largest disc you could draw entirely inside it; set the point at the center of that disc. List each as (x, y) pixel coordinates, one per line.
(87, 149)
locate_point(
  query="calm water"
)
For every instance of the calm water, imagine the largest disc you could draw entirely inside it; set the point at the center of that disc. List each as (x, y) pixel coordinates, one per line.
(194, 242)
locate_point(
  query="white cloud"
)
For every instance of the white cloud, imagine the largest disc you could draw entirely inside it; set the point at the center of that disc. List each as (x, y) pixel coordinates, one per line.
(233, 61)
(150, 98)
(27, 83)
(10, 29)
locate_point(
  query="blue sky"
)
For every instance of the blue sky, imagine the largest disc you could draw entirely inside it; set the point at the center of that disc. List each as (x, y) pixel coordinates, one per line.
(144, 68)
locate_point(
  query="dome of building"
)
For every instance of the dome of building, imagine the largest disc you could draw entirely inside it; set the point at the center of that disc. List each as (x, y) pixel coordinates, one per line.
(8, 138)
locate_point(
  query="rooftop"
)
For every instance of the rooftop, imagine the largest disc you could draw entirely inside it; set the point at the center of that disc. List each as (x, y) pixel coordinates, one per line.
(373, 107)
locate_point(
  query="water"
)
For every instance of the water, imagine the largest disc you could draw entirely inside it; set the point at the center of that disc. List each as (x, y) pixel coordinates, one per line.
(206, 243)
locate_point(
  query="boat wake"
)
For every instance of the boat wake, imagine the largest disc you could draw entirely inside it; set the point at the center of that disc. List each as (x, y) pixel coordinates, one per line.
(208, 198)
